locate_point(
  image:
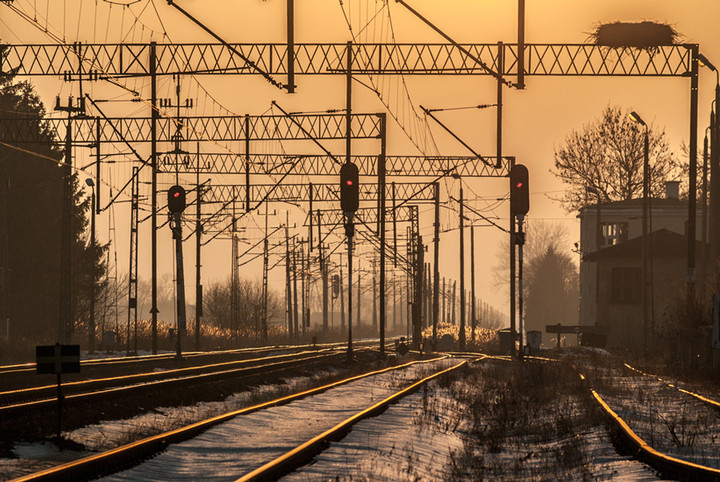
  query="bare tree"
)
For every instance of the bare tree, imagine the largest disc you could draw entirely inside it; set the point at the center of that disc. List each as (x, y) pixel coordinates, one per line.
(608, 155)
(217, 305)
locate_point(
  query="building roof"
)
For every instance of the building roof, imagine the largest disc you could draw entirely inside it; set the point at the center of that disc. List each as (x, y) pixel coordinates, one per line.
(663, 242)
(637, 203)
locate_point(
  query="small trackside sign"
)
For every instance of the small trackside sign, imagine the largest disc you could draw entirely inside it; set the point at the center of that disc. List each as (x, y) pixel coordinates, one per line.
(56, 359)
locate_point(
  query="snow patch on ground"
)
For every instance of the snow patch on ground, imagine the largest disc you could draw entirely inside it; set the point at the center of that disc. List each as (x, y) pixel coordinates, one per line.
(406, 442)
(113, 433)
(236, 447)
(668, 420)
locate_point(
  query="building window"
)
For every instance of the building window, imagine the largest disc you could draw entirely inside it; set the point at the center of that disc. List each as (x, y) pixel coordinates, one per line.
(614, 233)
(625, 285)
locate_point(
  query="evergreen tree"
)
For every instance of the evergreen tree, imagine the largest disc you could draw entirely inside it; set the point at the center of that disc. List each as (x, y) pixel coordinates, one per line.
(31, 196)
(551, 290)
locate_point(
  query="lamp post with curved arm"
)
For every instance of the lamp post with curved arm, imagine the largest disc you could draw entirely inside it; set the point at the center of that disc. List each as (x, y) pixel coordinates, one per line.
(646, 193)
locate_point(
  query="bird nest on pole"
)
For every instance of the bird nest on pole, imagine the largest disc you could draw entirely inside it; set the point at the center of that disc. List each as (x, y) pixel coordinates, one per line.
(641, 35)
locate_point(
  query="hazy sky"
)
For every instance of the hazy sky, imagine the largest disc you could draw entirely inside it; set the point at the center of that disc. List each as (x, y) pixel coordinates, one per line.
(536, 120)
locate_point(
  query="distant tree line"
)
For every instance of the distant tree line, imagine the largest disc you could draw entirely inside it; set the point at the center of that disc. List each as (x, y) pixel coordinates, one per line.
(217, 305)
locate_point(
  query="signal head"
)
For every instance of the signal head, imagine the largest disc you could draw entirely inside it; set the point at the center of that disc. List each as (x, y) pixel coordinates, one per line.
(176, 199)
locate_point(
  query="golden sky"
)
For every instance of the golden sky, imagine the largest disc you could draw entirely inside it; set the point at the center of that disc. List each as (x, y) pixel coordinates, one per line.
(536, 120)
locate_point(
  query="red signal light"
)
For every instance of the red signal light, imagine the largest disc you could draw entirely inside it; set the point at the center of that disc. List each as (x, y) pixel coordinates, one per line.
(519, 195)
(176, 199)
(349, 182)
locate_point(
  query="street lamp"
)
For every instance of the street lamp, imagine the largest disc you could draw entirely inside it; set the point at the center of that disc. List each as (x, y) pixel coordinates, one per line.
(646, 191)
(714, 157)
(704, 206)
(91, 323)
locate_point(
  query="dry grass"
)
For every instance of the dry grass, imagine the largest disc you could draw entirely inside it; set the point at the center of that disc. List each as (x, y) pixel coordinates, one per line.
(522, 423)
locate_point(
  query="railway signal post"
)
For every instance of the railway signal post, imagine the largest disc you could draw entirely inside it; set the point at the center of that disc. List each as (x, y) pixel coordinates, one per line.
(176, 205)
(349, 201)
(519, 207)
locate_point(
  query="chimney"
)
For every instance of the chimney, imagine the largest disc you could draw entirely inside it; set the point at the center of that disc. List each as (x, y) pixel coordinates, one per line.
(672, 190)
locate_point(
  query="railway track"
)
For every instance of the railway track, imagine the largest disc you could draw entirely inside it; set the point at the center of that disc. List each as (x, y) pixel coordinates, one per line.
(654, 420)
(23, 375)
(706, 400)
(41, 397)
(262, 441)
(266, 441)
(659, 423)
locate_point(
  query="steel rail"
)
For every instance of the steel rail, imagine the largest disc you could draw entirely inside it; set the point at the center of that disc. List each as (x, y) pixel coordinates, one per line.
(132, 453)
(668, 465)
(31, 367)
(142, 377)
(706, 400)
(142, 386)
(304, 453)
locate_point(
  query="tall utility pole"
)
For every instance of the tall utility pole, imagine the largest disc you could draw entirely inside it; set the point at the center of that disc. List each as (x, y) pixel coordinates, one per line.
(444, 302)
(324, 274)
(453, 305)
(359, 295)
(247, 162)
(521, 243)
(91, 327)
(349, 305)
(133, 269)
(692, 182)
(374, 296)
(521, 46)
(154, 117)
(290, 7)
(394, 298)
(381, 225)
(714, 223)
(342, 300)
(234, 280)
(296, 320)
(65, 319)
(426, 294)
(462, 272)
(288, 287)
(473, 319)
(512, 279)
(198, 252)
(349, 227)
(180, 280)
(436, 266)
(304, 281)
(417, 296)
(264, 319)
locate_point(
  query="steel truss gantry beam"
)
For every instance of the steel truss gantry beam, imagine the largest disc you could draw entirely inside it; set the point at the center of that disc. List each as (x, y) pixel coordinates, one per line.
(323, 165)
(21, 130)
(297, 193)
(131, 60)
(403, 214)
